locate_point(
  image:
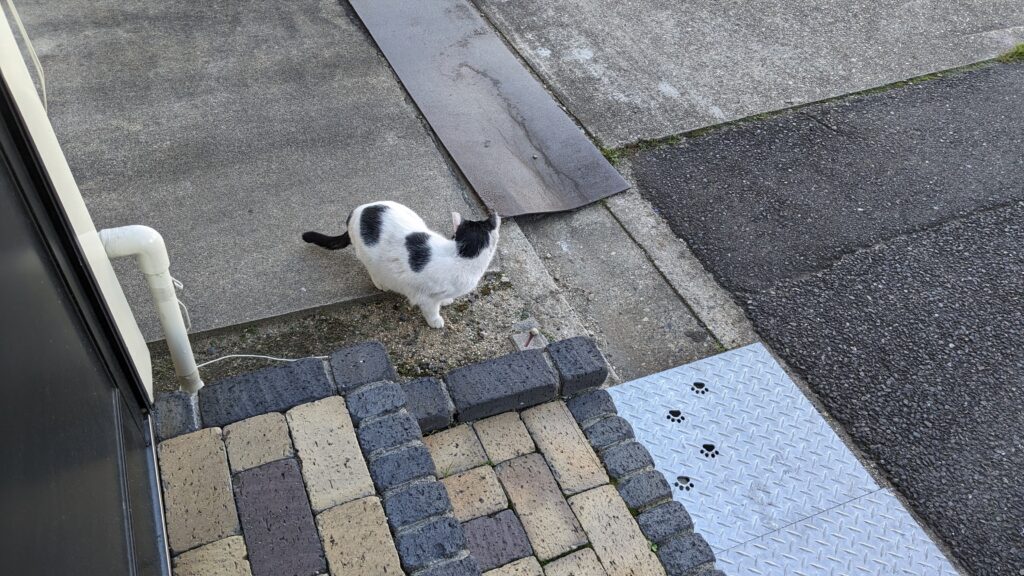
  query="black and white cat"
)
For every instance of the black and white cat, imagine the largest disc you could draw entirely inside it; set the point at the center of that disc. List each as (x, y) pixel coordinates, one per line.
(403, 255)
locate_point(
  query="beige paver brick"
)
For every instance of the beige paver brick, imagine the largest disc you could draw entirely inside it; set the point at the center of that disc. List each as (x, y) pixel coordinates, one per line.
(614, 533)
(581, 563)
(357, 541)
(455, 450)
(523, 567)
(549, 523)
(198, 503)
(227, 557)
(503, 437)
(475, 493)
(572, 460)
(258, 440)
(332, 464)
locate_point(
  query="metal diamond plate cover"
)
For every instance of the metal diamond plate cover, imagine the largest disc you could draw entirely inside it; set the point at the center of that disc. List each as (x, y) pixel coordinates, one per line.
(756, 452)
(767, 481)
(869, 536)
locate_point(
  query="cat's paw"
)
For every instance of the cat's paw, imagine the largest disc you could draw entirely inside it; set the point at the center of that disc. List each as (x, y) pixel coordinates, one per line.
(447, 301)
(437, 322)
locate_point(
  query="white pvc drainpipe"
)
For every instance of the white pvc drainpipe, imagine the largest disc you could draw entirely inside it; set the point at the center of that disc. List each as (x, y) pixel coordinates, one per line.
(150, 253)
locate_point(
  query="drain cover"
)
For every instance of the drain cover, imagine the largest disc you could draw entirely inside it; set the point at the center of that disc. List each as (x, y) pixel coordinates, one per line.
(767, 481)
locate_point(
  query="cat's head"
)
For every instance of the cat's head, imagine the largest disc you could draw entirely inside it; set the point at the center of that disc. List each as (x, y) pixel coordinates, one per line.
(476, 236)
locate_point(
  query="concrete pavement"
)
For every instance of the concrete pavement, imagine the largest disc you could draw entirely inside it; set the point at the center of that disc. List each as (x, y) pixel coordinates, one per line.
(643, 69)
(231, 128)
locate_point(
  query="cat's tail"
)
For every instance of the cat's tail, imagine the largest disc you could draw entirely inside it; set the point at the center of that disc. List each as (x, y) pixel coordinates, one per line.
(329, 242)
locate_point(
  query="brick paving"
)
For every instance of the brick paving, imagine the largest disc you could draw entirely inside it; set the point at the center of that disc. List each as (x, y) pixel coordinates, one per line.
(345, 482)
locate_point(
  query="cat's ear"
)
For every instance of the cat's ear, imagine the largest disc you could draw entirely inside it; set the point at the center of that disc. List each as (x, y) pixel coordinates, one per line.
(456, 221)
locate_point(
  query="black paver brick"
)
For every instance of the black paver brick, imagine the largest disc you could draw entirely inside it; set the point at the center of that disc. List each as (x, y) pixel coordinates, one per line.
(665, 521)
(374, 400)
(388, 431)
(591, 405)
(579, 363)
(436, 540)
(360, 364)
(278, 525)
(393, 468)
(683, 555)
(269, 390)
(415, 502)
(624, 459)
(497, 540)
(428, 400)
(175, 413)
(608, 431)
(644, 490)
(507, 383)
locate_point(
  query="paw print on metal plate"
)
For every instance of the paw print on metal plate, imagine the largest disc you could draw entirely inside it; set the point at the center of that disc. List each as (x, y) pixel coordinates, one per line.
(684, 483)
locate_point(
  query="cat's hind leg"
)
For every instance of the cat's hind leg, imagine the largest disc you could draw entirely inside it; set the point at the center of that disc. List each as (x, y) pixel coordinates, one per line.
(432, 313)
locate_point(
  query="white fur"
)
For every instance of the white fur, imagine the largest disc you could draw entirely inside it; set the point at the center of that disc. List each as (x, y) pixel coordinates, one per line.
(446, 277)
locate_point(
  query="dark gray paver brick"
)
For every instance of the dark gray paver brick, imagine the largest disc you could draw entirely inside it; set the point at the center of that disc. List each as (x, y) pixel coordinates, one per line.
(644, 490)
(462, 567)
(591, 406)
(374, 400)
(276, 520)
(388, 431)
(624, 459)
(665, 521)
(510, 382)
(269, 390)
(393, 468)
(683, 555)
(497, 540)
(428, 400)
(175, 413)
(436, 540)
(360, 364)
(580, 364)
(608, 431)
(416, 502)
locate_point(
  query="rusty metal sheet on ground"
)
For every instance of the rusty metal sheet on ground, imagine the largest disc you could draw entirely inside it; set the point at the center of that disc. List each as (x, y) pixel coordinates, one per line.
(517, 147)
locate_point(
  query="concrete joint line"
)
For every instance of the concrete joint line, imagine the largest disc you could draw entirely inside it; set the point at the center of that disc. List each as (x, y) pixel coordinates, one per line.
(454, 559)
(406, 484)
(419, 523)
(384, 416)
(614, 445)
(709, 303)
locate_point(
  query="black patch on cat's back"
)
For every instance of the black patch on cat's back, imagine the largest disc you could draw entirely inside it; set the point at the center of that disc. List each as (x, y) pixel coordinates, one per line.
(417, 244)
(370, 223)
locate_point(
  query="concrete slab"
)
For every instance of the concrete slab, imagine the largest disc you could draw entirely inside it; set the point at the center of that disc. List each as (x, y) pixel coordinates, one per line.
(232, 128)
(644, 69)
(620, 294)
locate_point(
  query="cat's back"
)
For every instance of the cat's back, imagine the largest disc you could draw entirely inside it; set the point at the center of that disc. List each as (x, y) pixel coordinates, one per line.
(379, 224)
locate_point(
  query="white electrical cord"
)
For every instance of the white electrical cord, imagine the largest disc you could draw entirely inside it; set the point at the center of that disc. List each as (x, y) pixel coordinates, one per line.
(260, 356)
(179, 287)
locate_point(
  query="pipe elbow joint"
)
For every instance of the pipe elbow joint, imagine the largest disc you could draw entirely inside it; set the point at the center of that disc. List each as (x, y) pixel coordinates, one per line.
(142, 242)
